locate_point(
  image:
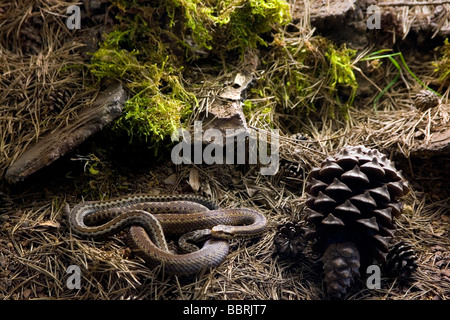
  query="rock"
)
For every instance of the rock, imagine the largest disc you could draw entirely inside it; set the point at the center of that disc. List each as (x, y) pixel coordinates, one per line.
(194, 179)
(26, 293)
(56, 144)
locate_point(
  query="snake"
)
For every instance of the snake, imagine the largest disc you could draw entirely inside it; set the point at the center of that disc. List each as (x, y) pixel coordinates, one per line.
(150, 218)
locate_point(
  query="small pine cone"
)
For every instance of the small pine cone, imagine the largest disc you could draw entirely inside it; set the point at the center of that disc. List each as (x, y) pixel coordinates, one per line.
(58, 99)
(401, 260)
(289, 240)
(341, 267)
(425, 100)
(290, 170)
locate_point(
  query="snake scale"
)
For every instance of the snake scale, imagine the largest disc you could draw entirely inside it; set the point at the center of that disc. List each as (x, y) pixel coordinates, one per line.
(150, 218)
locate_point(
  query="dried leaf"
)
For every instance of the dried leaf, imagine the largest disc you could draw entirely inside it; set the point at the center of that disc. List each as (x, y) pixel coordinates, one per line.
(171, 180)
(194, 180)
(251, 191)
(26, 293)
(49, 224)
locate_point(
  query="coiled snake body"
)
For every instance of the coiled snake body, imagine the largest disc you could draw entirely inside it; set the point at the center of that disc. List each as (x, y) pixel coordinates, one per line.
(149, 218)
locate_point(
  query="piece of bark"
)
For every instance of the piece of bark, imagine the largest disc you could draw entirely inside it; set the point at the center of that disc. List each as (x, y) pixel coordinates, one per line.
(439, 144)
(104, 110)
(226, 113)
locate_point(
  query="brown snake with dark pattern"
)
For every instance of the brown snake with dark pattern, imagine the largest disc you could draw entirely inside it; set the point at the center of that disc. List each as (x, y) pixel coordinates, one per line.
(150, 218)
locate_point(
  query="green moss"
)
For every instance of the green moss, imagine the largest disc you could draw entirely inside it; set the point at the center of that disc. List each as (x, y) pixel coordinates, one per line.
(258, 112)
(443, 64)
(113, 62)
(303, 76)
(229, 24)
(158, 100)
(146, 49)
(244, 21)
(341, 72)
(214, 25)
(153, 116)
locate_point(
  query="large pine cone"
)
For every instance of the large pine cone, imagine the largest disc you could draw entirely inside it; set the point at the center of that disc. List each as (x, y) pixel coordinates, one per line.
(353, 198)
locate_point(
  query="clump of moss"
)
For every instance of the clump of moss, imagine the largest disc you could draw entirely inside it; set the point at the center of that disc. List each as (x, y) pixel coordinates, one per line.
(159, 99)
(229, 24)
(306, 74)
(146, 49)
(257, 113)
(443, 64)
(341, 71)
(244, 21)
(219, 26)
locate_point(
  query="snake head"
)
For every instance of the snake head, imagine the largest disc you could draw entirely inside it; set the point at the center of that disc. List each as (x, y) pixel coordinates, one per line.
(222, 232)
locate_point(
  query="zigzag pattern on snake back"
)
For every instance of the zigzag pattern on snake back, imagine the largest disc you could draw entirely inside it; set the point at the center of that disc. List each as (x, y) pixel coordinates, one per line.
(149, 218)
